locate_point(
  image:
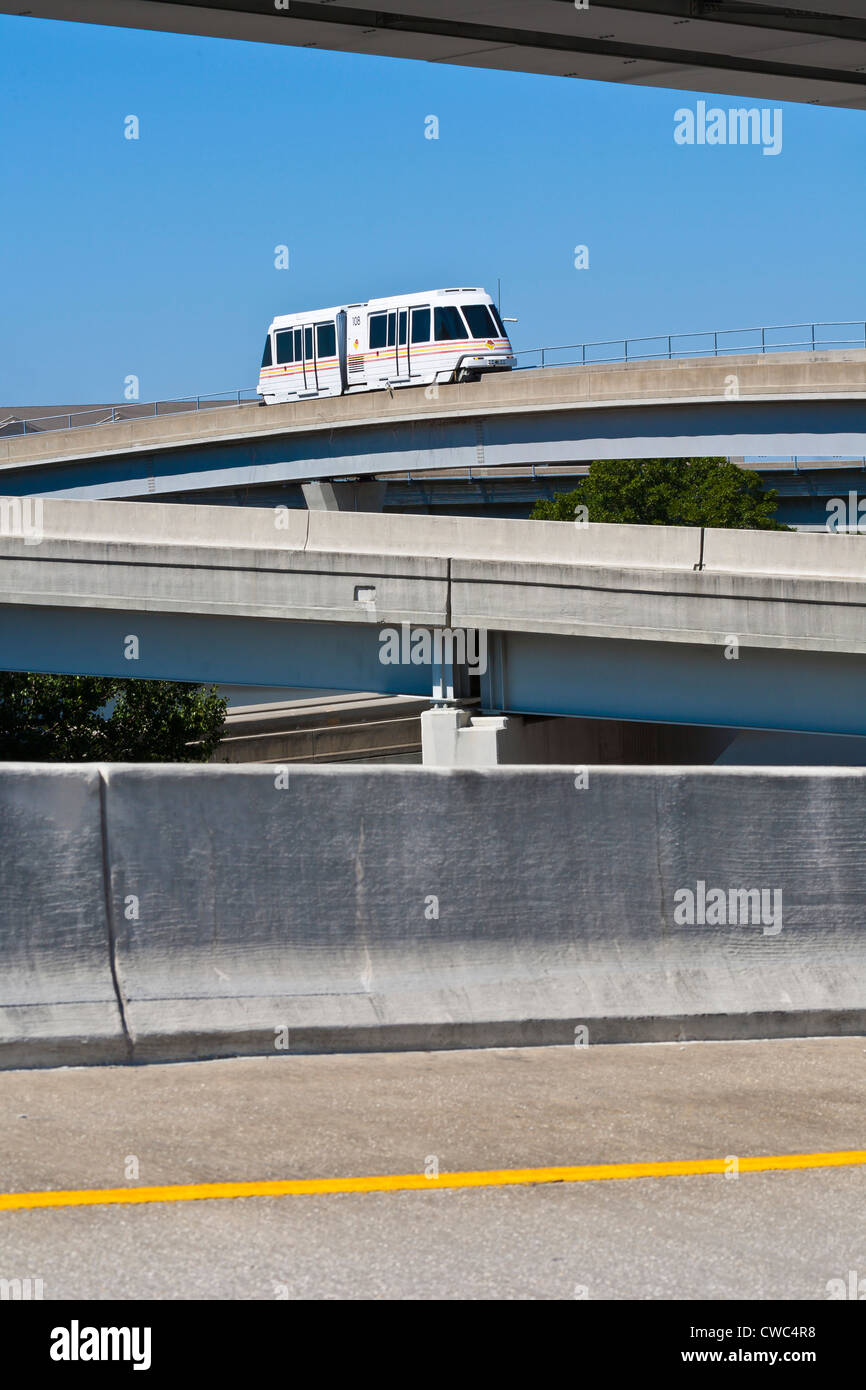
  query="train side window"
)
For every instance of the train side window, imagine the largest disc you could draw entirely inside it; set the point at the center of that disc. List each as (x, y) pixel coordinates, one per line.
(267, 358)
(448, 324)
(377, 330)
(326, 340)
(481, 325)
(392, 327)
(498, 321)
(420, 325)
(285, 346)
(299, 355)
(308, 344)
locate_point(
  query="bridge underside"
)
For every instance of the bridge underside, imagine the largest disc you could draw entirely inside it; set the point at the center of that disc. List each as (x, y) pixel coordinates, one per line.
(527, 673)
(812, 51)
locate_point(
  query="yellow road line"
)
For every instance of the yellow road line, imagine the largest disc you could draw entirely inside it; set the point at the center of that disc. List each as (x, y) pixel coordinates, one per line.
(408, 1182)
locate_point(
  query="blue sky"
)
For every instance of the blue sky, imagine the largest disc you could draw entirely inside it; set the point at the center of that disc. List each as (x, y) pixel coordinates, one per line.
(155, 257)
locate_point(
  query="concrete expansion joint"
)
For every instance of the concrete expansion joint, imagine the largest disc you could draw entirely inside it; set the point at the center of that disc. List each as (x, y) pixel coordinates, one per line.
(699, 565)
(122, 1007)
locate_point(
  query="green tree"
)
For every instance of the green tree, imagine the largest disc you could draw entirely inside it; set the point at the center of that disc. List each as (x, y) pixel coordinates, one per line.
(102, 719)
(668, 492)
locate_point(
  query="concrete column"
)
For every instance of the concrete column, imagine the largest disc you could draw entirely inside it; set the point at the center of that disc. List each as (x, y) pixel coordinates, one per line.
(454, 738)
(325, 496)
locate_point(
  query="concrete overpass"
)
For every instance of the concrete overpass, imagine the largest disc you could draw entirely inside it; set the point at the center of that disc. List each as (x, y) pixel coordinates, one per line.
(633, 623)
(783, 404)
(813, 51)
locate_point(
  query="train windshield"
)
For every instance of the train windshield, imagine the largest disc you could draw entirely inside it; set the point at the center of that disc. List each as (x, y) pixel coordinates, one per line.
(481, 325)
(448, 324)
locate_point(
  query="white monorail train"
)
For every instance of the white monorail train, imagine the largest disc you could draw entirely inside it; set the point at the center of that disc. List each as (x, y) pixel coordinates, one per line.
(407, 340)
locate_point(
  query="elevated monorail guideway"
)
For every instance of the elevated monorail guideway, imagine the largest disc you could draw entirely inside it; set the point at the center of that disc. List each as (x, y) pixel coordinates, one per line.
(813, 50)
(766, 340)
(778, 404)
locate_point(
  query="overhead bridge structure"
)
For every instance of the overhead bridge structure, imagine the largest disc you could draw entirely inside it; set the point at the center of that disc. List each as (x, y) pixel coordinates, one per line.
(814, 50)
(786, 404)
(684, 625)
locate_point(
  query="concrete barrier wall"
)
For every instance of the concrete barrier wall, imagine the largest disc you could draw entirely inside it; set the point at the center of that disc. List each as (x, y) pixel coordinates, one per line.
(76, 525)
(416, 907)
(57, 998)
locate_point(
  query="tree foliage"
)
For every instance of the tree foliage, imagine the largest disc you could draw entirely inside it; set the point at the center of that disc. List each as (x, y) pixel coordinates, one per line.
(668, 492)
(102, 719)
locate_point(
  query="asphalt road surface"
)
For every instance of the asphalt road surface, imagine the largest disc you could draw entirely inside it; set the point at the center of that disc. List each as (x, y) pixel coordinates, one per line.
(752, 1235)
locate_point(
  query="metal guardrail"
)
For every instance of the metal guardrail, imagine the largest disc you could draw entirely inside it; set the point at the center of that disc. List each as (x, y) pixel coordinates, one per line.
(711, 346)
(706, 344)
(135, 410)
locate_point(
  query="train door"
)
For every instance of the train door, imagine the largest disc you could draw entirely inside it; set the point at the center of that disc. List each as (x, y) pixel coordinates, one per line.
(311, 378)
(402, 346)
(390, 359)
(419, 339)
(389, 345)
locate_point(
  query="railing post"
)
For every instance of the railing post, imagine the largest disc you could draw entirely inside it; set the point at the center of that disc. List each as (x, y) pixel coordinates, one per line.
(69, 418)
(763, 340)
(542, 357)
(670, 348)
(813, 336)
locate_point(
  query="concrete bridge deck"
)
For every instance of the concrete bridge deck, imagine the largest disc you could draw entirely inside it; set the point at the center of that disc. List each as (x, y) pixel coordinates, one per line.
(601, 621)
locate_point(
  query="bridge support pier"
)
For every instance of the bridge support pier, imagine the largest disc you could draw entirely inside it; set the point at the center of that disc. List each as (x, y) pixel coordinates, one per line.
(358, 496)
(455, 737)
